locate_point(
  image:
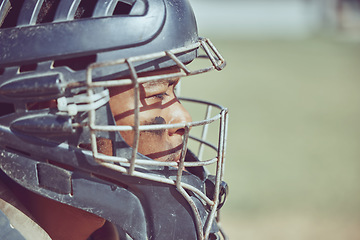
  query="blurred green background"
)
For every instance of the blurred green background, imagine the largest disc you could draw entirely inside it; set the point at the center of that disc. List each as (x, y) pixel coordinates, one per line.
(293, 156)
(292, 88)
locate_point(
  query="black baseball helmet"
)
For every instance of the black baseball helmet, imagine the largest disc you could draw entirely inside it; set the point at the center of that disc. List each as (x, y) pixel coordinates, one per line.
(69, 52)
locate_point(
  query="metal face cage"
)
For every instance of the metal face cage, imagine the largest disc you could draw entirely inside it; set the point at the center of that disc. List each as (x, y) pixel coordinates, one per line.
(131, 166)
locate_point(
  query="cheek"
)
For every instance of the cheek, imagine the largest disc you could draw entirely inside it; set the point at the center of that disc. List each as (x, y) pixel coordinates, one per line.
(150, 139)
(128, 137)
(154, 121)
(151, 142)
(147, 139)
(122, 108)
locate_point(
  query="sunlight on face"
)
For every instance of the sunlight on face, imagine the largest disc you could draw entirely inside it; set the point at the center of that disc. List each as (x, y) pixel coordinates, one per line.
(158, 105)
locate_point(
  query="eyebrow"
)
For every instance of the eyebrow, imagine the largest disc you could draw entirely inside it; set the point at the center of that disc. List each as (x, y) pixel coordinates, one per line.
(161, 82)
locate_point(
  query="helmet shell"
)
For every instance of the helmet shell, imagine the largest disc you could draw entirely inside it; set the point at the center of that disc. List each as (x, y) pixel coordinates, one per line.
(148, 26)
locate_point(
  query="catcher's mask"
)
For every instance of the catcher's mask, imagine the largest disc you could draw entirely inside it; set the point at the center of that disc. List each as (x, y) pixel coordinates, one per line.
(62, 57)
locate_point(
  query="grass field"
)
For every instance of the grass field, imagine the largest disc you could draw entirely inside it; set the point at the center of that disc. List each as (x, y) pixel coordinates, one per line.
(293, 158)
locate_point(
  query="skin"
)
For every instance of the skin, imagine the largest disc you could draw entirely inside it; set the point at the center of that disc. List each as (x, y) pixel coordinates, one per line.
(158, 105)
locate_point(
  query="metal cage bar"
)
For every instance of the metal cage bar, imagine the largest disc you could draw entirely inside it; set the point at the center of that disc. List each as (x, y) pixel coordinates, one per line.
(130, 166)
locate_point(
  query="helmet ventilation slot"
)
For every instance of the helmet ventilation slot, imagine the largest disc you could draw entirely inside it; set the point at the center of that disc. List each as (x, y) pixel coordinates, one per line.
(47, 11)
(12, 10)
(122, 8)
(9, 13)
(76, 63)
(28, 68)
(6, 108)
(85, 9)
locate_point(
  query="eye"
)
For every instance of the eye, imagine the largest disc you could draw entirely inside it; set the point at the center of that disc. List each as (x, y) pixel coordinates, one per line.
(160, 95)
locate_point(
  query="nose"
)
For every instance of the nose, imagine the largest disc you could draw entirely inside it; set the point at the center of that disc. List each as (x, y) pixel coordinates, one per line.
(178, 114)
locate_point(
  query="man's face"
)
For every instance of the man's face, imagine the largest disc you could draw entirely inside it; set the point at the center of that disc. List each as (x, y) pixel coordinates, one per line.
(158, 105)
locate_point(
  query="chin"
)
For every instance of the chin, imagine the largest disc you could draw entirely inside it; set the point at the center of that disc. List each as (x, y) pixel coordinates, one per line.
(170, 157)
(174, 157)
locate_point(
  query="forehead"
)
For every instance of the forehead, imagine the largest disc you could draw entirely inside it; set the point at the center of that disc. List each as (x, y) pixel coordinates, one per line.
(160, 83)
(165, 81)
